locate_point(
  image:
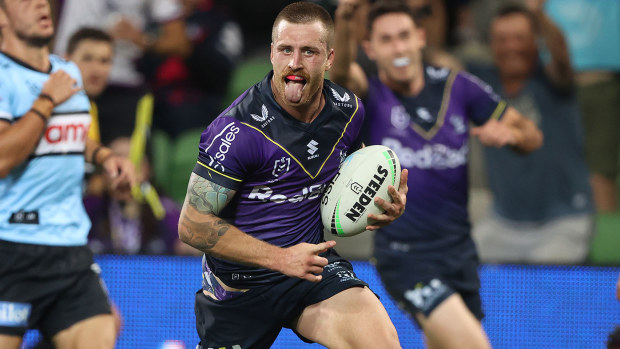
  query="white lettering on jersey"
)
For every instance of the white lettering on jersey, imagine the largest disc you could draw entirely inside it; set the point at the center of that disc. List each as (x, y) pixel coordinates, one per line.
(431, 156)
(222, 142)
(265, 193)
(64, 134)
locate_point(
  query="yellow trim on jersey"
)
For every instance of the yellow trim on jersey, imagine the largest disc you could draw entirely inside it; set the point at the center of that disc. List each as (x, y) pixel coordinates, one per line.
(330, 153)
(220, 173)
(501, 106)
(441, 115)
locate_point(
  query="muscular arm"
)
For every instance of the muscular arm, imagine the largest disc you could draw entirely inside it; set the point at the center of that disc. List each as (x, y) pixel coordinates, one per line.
(345, 71)
(18, 140)
(201, 228)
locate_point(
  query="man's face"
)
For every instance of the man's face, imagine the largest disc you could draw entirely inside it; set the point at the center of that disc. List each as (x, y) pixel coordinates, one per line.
(94, 58)
(28, 20)
(513, 43)
(300, 58)
(396, 46)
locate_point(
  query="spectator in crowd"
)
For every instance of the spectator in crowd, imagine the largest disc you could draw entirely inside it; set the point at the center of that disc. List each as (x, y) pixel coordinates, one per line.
(427, 259)
(595, 52)
(119, 225)
(137, 27)
(190, 89)
(542, 209)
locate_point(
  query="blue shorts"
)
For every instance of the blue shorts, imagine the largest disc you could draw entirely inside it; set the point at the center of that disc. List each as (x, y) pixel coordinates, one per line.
(253, 319)
(419, 282)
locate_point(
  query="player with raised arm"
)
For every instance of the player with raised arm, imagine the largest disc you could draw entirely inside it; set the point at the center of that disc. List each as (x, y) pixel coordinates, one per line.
(253, 201)
(48, 279)
(427, 259)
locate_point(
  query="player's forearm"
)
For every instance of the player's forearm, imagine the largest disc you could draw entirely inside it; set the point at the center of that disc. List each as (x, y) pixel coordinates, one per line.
(19, 140)
(214, 236)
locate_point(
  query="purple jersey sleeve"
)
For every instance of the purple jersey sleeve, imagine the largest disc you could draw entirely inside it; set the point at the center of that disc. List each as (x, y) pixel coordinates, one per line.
(226, 153)
(482, 102)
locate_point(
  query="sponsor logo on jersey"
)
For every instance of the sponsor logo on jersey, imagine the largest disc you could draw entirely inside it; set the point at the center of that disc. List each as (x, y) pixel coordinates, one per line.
(64, 134)
(366, 196)
(264, 117)
(437, 73)
(221, 146)
(14, 314)
(431, 156)
(281, 166)
(459, 125)
(312, 148)
(341, 101)
(265, 194)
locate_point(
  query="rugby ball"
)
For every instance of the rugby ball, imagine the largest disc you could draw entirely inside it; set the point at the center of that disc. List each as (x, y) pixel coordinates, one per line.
(349, 198)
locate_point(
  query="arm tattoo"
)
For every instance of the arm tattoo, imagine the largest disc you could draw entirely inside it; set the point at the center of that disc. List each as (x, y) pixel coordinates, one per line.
(203, 236)
(206, 196)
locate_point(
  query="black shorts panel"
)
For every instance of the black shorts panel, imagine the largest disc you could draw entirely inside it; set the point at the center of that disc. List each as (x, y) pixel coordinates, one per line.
(254, 318)
(420, 283)
(48, 288)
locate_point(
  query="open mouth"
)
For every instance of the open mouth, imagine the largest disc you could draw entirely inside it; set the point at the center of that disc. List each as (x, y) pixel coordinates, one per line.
(45, 20)
(401, 62)
(294, 87)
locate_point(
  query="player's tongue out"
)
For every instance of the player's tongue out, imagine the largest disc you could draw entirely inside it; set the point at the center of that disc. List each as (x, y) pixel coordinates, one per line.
(294, 86)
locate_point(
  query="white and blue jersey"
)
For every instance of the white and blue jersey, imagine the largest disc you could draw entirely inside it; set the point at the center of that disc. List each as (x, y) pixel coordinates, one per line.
(41, 199)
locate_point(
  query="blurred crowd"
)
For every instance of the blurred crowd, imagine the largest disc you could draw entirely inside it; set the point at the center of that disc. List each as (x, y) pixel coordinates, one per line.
(158, 72)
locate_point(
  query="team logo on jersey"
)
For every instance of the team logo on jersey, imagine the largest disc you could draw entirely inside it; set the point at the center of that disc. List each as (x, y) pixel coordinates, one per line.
(264, 114)
(437, 73)
(281, 166)
(399, 117)
(312, 148)
(457, 122)
(424, 296)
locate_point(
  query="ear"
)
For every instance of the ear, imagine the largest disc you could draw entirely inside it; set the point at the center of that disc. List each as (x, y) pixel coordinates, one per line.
(368, 49)
(3, 18)
(330, 60)
(271, 53)
(421, 36)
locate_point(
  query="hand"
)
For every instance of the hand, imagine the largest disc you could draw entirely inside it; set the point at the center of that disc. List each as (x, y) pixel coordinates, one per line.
(126, 30)
(303, 260)
(60, 86)
(123, 175)
(346, 9)
(495, 134)
(536, 6)
(393, 209)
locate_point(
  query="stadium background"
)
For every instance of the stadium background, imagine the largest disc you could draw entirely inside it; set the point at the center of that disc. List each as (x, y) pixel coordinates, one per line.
(534, 307)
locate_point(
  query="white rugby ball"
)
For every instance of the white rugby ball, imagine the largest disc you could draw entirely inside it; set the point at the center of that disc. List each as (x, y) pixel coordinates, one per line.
(349, 198)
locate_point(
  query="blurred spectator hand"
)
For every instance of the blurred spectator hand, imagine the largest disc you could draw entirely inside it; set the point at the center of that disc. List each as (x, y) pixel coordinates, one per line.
(495, 134)
(125, 30)
(346, 8)
(123, 175)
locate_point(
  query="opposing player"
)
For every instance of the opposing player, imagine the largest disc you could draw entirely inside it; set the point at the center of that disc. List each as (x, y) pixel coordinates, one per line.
(47, 277)
(253, 200)
(427, 258)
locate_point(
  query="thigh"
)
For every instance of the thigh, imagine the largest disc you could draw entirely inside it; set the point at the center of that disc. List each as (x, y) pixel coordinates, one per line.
(452, 325)
(10, 342)
(353, 318)
(96, 332)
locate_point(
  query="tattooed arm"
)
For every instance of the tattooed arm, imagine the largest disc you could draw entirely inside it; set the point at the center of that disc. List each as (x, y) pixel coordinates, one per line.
(201, 228)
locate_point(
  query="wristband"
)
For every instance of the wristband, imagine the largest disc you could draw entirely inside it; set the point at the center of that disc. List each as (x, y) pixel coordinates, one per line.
(48, 97)
(39, 114)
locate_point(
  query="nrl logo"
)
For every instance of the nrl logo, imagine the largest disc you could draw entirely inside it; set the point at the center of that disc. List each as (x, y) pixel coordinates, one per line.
(263, 117)
(343, 98)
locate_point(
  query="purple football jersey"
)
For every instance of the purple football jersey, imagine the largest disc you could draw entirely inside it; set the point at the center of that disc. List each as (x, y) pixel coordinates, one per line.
(429, 133)
(279, 167)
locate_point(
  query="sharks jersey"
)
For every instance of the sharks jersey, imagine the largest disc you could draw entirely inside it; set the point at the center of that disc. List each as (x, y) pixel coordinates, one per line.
(41, 199)
(279, 167)
(429, 133)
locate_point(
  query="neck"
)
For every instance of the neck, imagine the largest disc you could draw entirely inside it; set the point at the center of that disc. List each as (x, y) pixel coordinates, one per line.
(304, 113)
(512, 84)
(36, 57)
(406, 88)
